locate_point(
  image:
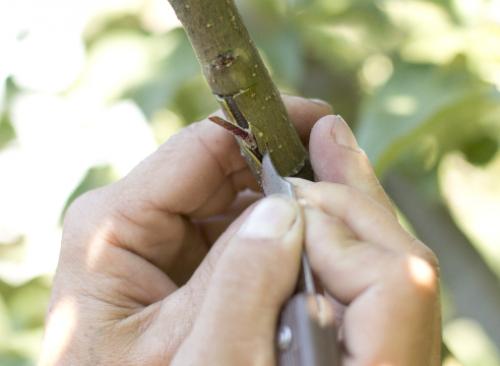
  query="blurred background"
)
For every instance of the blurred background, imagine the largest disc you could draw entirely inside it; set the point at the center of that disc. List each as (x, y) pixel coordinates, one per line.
(89, 88)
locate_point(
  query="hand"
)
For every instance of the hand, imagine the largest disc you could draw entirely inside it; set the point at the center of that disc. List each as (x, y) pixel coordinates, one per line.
(386, 279)
(137, 256)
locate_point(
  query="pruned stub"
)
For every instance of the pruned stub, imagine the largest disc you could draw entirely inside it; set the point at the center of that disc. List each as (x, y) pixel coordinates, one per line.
(223, 61)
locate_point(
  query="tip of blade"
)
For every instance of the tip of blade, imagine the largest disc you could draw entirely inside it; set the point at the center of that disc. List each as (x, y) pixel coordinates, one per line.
(267, 165)
(269, 172)
(272, 181)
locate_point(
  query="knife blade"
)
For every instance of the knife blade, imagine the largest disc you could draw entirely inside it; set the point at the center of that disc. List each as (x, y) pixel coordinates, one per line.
(306, 336)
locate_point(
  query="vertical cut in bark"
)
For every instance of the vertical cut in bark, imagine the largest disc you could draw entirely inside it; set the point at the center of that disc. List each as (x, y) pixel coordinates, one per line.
(242, 85)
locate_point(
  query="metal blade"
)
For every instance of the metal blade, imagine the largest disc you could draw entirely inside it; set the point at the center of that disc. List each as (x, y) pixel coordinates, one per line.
(272, 181)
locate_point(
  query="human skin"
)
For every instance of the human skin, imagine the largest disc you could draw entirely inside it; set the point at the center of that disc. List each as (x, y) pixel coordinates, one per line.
(177, 264)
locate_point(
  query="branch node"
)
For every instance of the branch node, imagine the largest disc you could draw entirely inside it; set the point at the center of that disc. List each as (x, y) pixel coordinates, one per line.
(223, 61)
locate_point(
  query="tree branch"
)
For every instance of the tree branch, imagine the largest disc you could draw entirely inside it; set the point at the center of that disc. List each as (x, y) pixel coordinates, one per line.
(241, 83)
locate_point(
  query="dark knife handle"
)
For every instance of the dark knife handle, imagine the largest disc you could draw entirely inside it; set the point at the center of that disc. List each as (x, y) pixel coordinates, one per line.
(305, 337)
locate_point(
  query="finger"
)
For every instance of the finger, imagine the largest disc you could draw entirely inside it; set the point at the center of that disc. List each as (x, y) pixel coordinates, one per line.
(221, 202)
(206, 153)
(302, 113)
(213, 227)
(200, 279)
(149, 207)
(254, 276)
(218, 230)
(335, 253)
(336, 157)
(190, 296)
(368, 219)
(342, 237)
(383, 289)
(333, 226)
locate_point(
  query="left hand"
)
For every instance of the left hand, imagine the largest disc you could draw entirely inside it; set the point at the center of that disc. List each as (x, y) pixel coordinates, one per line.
(137, 256)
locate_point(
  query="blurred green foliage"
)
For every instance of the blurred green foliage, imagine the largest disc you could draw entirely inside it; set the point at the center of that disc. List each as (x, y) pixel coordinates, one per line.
(7, 133)
(418, 80)
(22, 312)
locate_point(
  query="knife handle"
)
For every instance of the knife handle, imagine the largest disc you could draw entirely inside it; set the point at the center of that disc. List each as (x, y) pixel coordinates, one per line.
(306, 334)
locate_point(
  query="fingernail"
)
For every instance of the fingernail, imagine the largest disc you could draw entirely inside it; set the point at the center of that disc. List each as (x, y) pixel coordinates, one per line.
(320, 102)
(342, 134)
(271, 219)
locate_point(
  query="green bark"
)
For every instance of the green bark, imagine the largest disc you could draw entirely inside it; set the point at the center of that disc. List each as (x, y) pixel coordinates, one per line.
(242, 85)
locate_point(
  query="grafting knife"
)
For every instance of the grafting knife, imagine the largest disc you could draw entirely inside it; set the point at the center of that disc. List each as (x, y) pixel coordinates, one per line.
(306, 333)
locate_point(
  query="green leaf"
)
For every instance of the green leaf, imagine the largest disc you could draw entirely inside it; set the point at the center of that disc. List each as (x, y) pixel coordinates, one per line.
(7, 132)
(480, 151)
(23, 315)
(103, 26)
(420, 104)
(285, 55)
(172, 71)
(11, 359)
(4, 319)
(194, 100)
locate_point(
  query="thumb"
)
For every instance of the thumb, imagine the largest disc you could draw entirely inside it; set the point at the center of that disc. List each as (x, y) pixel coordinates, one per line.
(255, 275)
(337, 158)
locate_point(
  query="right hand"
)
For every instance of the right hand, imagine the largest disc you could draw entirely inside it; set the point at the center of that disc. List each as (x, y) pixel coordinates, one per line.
(384, 280)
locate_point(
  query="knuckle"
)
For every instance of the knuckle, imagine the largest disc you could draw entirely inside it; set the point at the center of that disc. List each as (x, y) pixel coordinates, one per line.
(80, 207)
(318, 188)
(419, 272)
(431, 258)
(336, 224)
(426, 254)
(85, 212)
